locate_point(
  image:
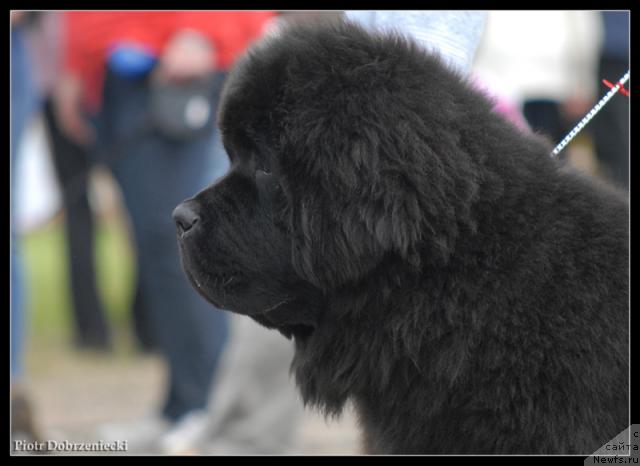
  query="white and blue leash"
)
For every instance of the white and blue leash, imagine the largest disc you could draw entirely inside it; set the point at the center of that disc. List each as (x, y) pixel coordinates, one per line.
(597, 107)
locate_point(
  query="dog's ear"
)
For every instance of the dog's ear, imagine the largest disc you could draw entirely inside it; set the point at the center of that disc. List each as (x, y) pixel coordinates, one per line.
(370, 192)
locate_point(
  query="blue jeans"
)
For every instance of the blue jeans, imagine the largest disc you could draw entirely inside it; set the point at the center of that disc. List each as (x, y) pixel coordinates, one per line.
(24, 102)
(155, 175)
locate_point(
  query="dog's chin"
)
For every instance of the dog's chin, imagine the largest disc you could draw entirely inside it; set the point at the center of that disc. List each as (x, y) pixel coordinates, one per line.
(293, 316)
(230, 292)
(223, 288)
(206, 292)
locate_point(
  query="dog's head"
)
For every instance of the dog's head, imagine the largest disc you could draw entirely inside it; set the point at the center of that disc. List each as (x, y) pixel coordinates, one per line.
(331, 134)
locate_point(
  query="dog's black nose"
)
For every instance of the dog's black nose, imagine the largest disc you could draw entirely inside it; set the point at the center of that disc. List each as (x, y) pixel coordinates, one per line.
(185, 216)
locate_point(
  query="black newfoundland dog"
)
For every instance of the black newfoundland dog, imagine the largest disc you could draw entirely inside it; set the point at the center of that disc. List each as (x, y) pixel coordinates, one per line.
(433, 264)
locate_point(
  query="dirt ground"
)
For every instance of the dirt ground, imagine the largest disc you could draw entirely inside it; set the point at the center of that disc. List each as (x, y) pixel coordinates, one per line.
(73, 393)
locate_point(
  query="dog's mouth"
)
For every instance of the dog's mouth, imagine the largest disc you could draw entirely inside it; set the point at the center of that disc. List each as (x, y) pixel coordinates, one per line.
(216, 287)
(289, 315)
(233, 291)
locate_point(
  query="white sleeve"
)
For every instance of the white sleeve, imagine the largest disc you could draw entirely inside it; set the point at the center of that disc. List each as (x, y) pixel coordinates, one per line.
(454, 35)
(587, 36)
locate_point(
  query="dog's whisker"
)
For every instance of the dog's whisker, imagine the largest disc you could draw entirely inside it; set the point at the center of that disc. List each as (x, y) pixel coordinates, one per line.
(271, 308)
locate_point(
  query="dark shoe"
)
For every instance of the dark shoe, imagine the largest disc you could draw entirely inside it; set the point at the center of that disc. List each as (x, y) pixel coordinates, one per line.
(23, 426)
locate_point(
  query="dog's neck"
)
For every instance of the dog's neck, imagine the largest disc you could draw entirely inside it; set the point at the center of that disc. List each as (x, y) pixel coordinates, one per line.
(331, 367)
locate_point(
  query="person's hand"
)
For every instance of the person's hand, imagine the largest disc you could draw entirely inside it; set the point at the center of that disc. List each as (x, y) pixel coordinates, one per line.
(188, 55)
(576, 107)
(16, 16)
(67, 101)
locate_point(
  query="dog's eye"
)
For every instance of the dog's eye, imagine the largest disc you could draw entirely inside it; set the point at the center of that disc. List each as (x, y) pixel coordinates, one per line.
(262, 165)
(265, 181)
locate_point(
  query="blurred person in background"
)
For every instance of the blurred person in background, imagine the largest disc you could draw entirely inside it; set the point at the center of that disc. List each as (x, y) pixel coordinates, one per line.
(546, 61)
(25, 101)
(140, 89)
(610, 128)
(72, 167)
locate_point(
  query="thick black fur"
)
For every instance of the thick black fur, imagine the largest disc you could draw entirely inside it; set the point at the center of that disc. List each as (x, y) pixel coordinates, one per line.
(433, 264)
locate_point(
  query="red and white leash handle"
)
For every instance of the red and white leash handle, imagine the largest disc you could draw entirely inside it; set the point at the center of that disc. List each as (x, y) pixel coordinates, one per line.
(592, 112)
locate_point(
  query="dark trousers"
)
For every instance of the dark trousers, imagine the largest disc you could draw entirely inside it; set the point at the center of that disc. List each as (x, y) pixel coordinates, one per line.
(72, 165)
(544, 117)
(155, 174)
(610, 128)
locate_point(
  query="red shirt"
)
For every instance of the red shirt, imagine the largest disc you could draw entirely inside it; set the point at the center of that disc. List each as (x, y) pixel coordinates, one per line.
(90, 34)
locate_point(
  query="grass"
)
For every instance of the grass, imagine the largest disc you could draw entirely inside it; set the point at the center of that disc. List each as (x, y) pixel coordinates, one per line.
(47, 284)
